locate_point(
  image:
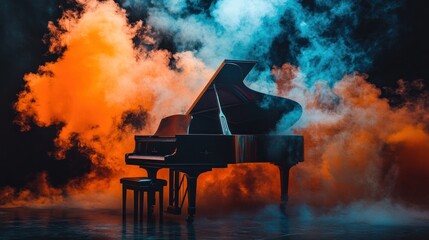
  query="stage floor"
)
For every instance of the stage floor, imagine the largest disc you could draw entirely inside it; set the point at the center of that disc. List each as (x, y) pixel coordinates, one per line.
(57, 223)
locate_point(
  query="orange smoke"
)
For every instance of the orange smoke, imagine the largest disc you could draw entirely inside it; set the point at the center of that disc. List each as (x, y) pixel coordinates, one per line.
(103, 89)
(357, 147)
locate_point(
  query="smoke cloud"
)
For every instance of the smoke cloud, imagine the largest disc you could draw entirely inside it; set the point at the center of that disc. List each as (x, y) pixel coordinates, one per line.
(114, 79)
(324, 38)
(103, 89)
(357, 146)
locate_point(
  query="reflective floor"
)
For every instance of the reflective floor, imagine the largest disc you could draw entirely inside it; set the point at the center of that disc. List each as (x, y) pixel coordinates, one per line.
(267, 223)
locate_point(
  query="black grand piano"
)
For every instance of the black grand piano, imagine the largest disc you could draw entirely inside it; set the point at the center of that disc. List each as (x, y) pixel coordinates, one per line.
(228, 123)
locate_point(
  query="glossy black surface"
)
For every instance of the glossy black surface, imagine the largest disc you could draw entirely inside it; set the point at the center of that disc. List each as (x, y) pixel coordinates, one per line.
(247, 111)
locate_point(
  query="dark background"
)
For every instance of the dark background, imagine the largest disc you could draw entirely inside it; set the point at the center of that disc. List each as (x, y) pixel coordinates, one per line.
(23, 24)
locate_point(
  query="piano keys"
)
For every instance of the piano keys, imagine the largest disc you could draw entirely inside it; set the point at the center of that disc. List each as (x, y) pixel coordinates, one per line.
(198, 141)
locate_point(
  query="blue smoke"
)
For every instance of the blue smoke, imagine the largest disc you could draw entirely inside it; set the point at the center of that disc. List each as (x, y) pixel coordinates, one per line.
(330, 33)
(326, 39)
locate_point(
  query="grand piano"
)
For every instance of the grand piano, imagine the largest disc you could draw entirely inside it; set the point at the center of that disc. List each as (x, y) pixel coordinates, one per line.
(228, 123)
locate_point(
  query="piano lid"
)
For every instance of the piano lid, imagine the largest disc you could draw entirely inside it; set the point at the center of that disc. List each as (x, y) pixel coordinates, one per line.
(230, 72)
(247, 111)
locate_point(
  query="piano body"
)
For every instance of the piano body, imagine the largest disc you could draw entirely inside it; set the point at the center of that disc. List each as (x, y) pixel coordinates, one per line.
(228, 123)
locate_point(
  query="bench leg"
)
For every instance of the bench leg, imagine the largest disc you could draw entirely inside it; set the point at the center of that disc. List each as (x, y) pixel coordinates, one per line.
(150, 202)
(141, 205)
(136, 206)
(161, 204)
(124, 202)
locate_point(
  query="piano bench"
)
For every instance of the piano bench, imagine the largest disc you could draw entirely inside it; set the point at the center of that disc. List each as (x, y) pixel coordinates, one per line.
(140, 185)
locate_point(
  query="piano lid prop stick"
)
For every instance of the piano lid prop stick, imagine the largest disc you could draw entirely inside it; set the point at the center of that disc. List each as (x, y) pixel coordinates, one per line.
(222, 118)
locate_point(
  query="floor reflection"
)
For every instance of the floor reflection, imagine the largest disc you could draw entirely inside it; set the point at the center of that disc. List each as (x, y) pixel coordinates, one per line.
(24, 223)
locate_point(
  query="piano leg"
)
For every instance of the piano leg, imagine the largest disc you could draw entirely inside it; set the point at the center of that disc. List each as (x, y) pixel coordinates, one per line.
(151, 173)
(192, 196)
(284, 185)
(192, 177)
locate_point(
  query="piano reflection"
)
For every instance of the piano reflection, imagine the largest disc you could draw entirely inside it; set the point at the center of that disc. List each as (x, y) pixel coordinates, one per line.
(228, 123)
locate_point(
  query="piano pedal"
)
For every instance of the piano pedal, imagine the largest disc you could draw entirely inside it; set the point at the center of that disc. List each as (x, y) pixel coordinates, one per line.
(174, 210)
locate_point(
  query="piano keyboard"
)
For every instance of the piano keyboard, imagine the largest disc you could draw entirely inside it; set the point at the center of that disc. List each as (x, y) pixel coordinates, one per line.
(147, 157)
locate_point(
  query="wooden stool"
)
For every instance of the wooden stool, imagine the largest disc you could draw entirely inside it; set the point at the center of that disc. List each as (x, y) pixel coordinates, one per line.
(141, 185)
